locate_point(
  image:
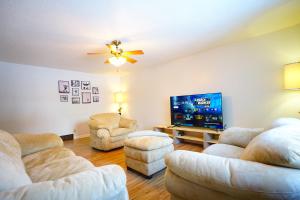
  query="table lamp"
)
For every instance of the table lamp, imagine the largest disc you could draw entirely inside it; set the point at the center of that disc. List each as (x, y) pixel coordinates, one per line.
(119, 99)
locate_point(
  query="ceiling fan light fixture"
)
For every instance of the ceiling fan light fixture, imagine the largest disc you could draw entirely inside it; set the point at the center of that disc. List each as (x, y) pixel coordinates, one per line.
(119, 56)
(117, 61)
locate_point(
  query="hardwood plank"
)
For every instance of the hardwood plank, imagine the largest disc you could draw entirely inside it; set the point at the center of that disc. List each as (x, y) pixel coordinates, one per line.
(138, 187)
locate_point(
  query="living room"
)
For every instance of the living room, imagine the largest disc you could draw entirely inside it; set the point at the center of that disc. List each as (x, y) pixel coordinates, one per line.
(59, 82)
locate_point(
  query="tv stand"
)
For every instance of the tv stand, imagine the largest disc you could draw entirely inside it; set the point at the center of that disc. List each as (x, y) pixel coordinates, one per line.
(180, 134)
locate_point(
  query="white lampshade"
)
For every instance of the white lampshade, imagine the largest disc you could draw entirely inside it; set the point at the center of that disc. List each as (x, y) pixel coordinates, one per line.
(117, 61)
(292, 76)
(119, 97)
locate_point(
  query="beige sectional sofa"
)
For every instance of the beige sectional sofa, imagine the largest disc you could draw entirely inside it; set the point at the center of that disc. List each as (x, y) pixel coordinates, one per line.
(34, 167)
(109, 130)
(246, 164)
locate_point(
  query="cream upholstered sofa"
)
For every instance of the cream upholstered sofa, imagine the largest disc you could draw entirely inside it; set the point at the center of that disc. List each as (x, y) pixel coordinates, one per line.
(246, 164)
(109, 130)
(35, 167)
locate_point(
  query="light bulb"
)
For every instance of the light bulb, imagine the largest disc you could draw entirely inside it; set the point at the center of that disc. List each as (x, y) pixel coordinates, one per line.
(117, 61)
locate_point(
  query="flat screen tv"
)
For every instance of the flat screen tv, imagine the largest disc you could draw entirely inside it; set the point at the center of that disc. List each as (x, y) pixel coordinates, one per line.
(199, 110)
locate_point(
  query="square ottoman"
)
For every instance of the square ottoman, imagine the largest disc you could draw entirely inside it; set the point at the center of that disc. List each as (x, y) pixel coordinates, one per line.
(145, 151)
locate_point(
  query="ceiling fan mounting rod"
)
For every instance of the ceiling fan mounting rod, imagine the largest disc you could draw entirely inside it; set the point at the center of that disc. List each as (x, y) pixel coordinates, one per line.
(116, 42)
(118, 51)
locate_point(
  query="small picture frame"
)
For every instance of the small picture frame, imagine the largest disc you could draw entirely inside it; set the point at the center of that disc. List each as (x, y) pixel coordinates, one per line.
(75, 100)
(75, 91)
(95, 98)
(86, 97)
(63, 98)
(75, 83)
(85, 85)
(63, 86)
(95, 90)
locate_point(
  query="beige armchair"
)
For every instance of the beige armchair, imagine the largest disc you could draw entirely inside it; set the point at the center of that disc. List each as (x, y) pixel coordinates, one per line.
(109, 130)
(246, 164)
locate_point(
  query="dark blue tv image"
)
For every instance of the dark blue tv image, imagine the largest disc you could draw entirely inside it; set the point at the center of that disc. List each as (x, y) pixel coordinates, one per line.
(200, 110)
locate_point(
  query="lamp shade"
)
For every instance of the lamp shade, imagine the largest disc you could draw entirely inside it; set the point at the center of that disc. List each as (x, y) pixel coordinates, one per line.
(119, 97)
(117, 61)
(292, 76)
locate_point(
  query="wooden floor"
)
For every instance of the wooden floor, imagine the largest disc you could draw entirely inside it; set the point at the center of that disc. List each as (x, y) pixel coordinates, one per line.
(138, 187)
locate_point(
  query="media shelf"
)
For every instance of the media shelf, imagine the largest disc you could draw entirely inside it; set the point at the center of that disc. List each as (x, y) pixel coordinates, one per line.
(202, 136)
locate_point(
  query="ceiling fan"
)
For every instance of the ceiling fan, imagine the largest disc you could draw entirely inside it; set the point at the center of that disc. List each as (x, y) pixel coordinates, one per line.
(119, 56)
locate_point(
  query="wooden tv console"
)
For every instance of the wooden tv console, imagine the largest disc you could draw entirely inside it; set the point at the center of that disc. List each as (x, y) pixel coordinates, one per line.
(202, 136)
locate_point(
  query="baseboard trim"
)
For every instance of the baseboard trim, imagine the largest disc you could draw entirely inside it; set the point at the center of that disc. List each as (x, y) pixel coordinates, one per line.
(67, 137)
(82, 136)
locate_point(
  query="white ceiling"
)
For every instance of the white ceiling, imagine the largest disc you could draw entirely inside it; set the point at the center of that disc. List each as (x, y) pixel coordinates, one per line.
(59, 33)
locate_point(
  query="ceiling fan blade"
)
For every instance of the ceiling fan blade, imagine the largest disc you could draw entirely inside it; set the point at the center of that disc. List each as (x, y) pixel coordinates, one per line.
(131, 60)
(94, 53)
(134, 52)
(106, 61)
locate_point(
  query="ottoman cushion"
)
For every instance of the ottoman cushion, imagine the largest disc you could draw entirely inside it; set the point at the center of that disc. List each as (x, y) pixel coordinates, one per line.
(148, 156)
(148, 143)
(147, 133)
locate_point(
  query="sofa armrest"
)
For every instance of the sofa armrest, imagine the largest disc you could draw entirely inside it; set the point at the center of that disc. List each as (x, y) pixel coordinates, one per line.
(239, 136)
(95, 125)
(31, 143)
(237, 178)
(128, 123)
(105, 183)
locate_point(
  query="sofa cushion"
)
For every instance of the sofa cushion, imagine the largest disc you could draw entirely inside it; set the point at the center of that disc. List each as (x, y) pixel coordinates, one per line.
(285, 121)
(13, 174)
(31, 143)
(120, 131)
(46, 156)
(147, 143)
(113, 119)
(53, 169)
(224, 150)
(95, 125)
(118, 138)
(239, 136)
(127, 123)
(278, 146)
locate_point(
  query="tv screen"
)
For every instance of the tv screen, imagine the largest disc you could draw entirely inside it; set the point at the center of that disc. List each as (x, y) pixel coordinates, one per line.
(200, 110)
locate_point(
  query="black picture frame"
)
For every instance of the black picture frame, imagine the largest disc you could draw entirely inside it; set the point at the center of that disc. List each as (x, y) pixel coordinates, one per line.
(63, 98)
(75, 100)
(63, 86)
(75, 91)
(95, 98)
(85, 85)
(86, 97)
(95, 90)
(75, 83)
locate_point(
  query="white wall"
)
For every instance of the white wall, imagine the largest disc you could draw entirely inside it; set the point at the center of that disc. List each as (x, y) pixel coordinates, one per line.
(248, 73)
(30, 100)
